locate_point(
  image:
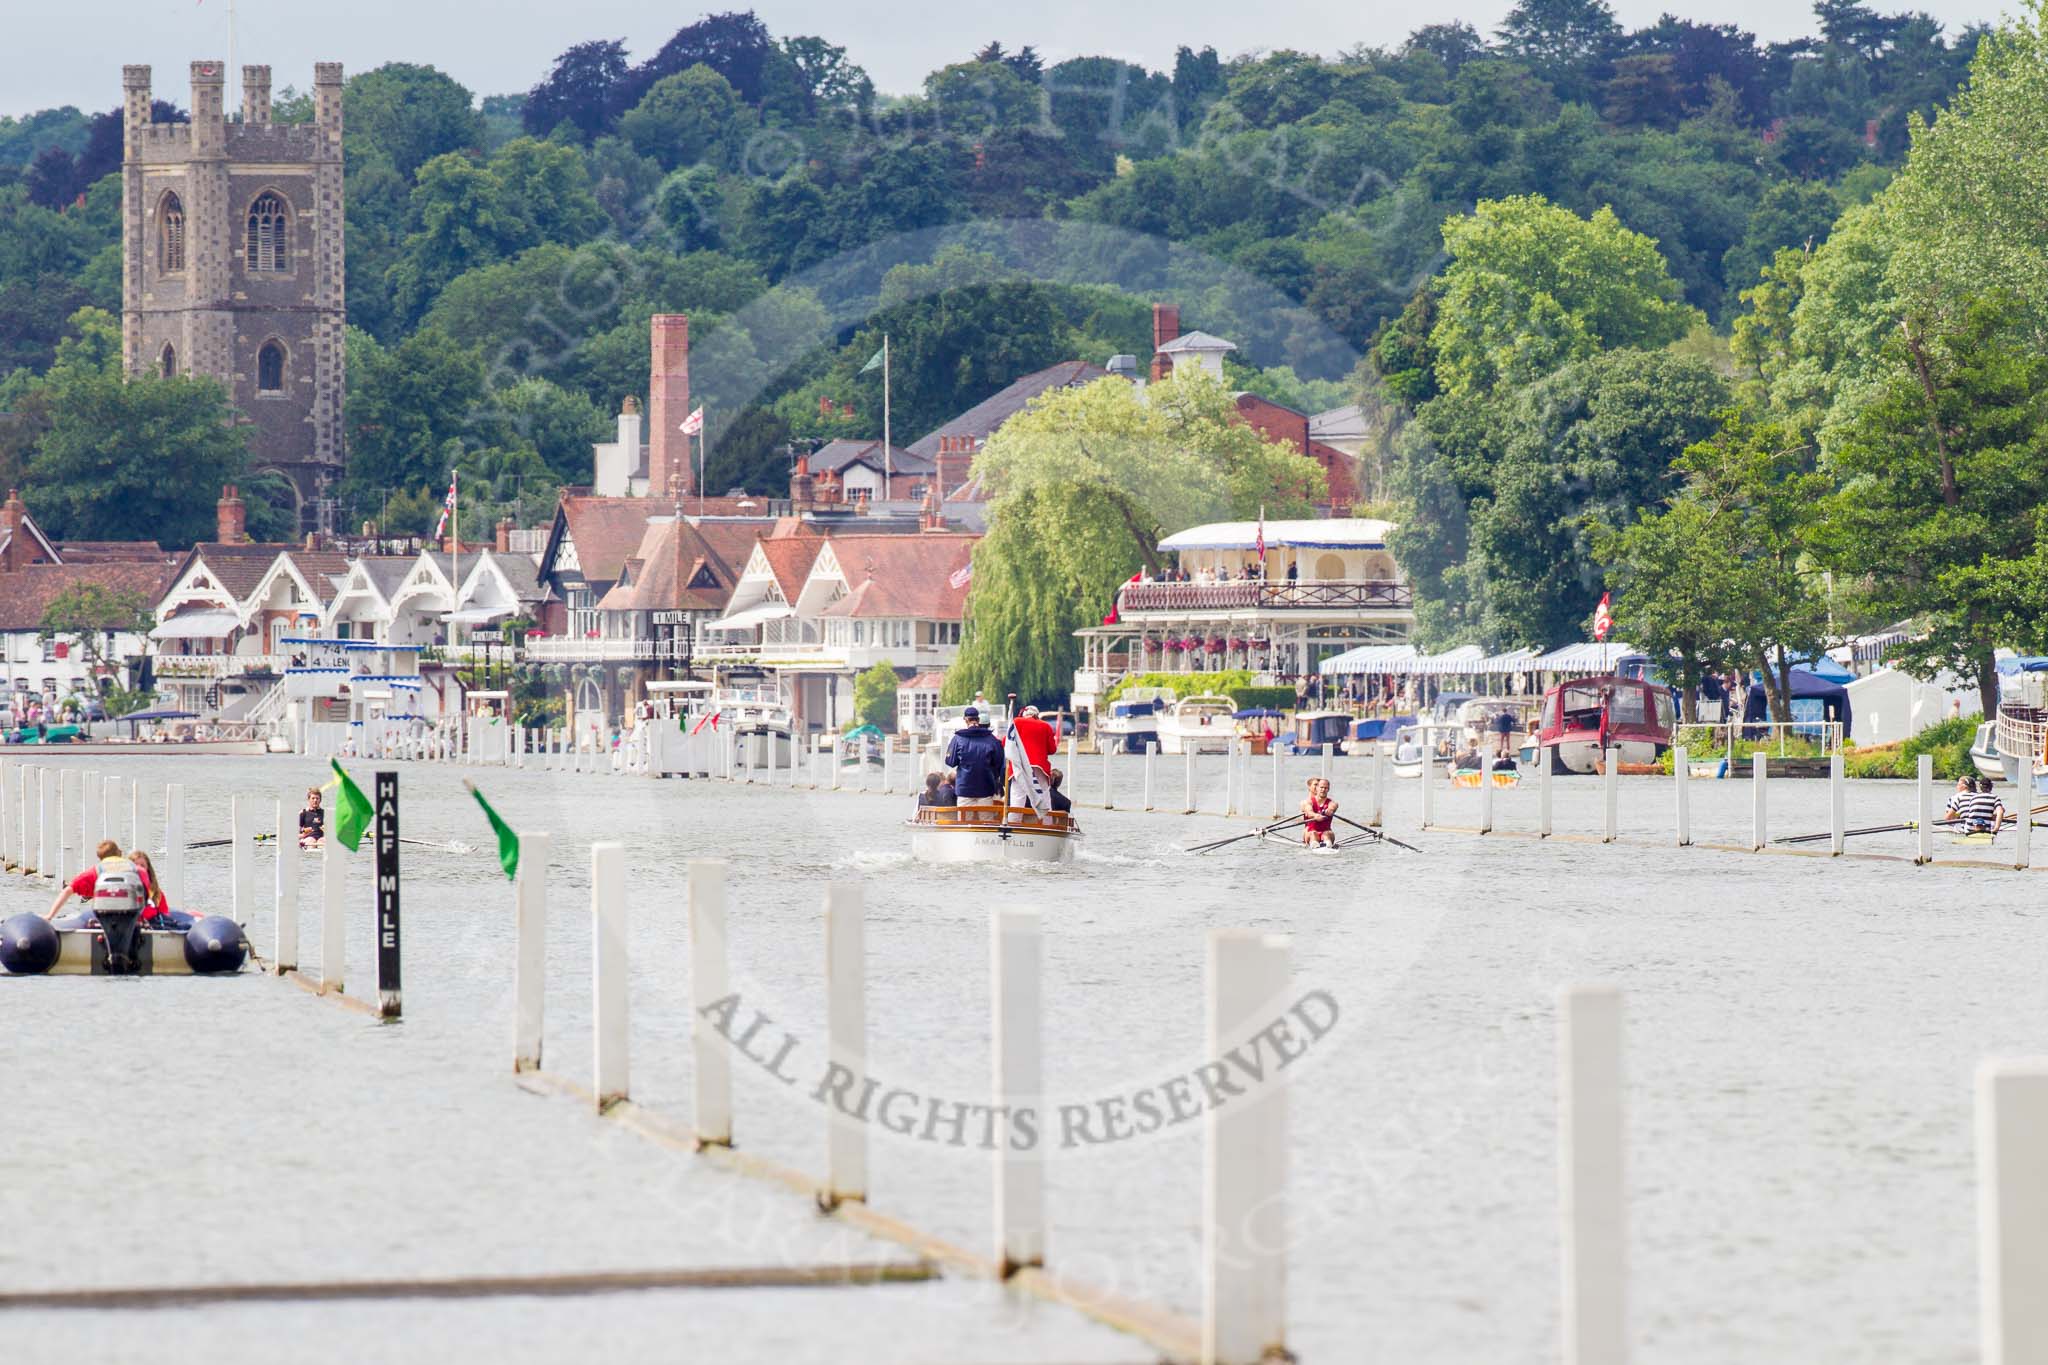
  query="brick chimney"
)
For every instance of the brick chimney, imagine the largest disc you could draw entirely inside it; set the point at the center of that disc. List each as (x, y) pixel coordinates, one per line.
(230, 517)
(669, 467)
(1165, 327)
(800, 487)
(955, 461)
(12, 513)
(504, 543)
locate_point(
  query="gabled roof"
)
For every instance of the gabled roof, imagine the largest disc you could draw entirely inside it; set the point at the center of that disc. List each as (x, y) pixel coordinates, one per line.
(26, 593)
(901, 576)
(789, 562)
(1339, 424)
(605, 532)
(836, 456)
(675, 569)
(984, 417)
(238, 569)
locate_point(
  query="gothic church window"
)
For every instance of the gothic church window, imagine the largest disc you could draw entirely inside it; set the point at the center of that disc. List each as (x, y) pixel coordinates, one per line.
(169, 362)
(270, 368)
(171, 221)
(269, 245)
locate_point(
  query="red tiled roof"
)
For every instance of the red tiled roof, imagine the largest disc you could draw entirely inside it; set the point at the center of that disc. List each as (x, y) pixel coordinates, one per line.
(903, 575)
(111, 551)
(670, 559)
(930, 681)
(607, 531)
(26, 593)
(790, 559)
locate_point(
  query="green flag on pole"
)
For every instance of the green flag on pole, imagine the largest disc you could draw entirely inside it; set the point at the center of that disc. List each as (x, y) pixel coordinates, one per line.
(508, 842)
(351, 808)
(874, 363)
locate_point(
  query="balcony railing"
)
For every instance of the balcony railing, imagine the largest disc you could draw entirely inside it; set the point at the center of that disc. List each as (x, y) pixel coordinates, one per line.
(1253, 595)
(217, 665)
(565, 649)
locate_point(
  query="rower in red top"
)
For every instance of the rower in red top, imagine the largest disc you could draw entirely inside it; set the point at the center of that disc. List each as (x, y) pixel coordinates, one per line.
(1038, 740)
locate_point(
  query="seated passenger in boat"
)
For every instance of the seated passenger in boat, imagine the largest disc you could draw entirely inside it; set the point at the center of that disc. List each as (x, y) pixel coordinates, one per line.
(156, 912)
(1958, 807)
(1985, 813)
(938, 791)
(1060, 800)
(1470, 759)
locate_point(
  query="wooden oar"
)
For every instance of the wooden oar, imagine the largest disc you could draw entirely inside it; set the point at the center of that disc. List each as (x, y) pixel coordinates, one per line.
(1258, 833)
(1898, 828)
(1380, 835)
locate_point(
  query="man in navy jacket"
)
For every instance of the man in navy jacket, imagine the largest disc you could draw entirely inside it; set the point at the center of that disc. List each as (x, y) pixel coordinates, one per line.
(976, 755)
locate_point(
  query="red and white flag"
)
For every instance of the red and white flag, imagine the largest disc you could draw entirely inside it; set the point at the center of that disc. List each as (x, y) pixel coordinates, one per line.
(694, 423)
(1262, 534)
(963, 575)
(1603, 619)
(447, 506)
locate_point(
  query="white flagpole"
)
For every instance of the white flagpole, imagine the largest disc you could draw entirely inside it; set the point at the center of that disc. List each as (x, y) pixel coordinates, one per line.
(701, 424)
(887, 472)
(455, 551)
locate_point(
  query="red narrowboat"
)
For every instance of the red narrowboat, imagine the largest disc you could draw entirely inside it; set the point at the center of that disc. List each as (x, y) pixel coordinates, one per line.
(1586, 715)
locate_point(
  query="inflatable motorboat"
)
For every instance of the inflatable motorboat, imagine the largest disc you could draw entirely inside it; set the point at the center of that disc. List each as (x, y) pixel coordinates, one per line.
(32, 946)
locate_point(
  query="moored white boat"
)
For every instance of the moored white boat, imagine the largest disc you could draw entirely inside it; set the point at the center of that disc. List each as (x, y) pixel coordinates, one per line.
(1199, 725)
(991, 834)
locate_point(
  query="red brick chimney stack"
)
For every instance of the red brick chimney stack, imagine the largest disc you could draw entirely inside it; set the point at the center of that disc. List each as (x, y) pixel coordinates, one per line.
(12, 513)
(670, 468)
(1165, 327)
(955, 461)
(504, 545)
(230, 517)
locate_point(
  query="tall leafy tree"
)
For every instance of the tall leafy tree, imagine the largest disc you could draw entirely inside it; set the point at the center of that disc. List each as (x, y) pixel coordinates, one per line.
(1942, 471)
(581, 90)
(1085, 482)
(406, 115)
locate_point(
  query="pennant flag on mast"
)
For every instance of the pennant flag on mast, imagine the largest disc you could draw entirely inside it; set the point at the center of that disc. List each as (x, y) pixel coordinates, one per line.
(447, 506)
(1262, 533)
(874, 361)
(1603, 618)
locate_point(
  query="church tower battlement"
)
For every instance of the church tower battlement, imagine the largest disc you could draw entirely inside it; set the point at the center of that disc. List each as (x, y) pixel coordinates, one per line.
(233, 262)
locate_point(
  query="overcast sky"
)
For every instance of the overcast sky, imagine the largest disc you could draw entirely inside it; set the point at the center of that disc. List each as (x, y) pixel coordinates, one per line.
(72, 53)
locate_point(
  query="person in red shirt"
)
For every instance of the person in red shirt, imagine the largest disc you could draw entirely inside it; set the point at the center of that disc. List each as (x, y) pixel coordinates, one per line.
(1038, 740)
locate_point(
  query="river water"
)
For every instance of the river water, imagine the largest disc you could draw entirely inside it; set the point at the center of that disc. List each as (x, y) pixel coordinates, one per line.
(1801, 1037)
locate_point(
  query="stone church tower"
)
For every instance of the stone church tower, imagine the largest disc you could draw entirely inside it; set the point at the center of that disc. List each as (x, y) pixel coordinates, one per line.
(231, 237)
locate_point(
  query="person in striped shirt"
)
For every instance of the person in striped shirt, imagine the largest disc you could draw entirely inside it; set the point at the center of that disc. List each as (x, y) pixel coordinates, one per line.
(1984, 813)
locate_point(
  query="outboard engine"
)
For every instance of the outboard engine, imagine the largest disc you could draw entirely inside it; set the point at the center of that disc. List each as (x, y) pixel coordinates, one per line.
(117, 901)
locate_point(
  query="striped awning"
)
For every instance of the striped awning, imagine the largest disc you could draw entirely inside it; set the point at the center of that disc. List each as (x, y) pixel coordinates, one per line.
(1371, 659)
(1582, 658)
(1463, 659)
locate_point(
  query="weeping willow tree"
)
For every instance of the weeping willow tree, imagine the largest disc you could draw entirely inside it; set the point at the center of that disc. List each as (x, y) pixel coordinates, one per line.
(1083, 485)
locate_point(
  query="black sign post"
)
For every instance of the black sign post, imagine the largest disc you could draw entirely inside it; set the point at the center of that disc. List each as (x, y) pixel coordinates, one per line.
(388, 994)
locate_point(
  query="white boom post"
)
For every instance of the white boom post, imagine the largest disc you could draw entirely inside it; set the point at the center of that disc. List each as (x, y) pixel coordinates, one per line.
(176, 888)
(1543, 780)
(1428, 787)
(1681, 777)
(708, 985)
(1610, 794)
(1838, 805)
(846, 1026)
(1592, 1192)
(333, 915)
(286, 954)
(1108, 800)
(2012, 1211)
(1924, 835)
(529, 967)
(1151, 752)
(1486, 793)
(1017, 1045)
(1187, 754)
(1244, 1186)
(241, 859)
(1759, 838)
(1379, 783)
(608, 971)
